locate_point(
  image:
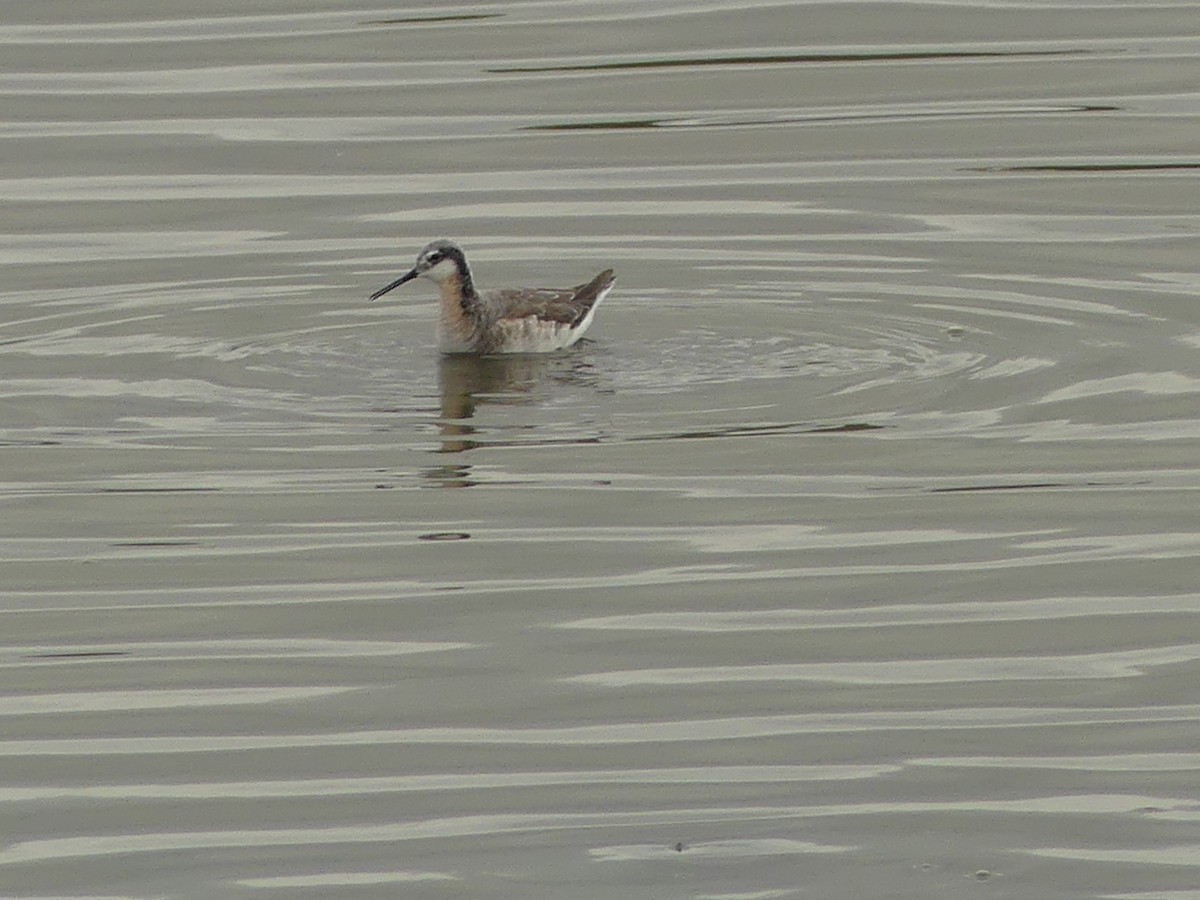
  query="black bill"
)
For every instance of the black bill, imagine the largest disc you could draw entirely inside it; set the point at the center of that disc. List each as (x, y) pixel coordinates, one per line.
(395, 284)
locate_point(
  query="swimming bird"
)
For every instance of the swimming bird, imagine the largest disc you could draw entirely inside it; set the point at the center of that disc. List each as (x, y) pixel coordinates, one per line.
(510, 320)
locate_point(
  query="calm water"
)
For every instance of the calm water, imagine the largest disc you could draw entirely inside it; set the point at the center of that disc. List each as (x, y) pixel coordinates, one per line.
(854, 554)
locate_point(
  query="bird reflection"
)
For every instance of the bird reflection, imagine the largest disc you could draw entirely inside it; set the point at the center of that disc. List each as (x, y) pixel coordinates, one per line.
(467, 382)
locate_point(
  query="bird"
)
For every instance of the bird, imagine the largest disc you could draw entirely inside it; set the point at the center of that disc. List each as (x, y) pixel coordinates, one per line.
(509, 320)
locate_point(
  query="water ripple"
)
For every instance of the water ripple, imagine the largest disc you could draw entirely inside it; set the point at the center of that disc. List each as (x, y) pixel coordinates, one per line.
(619, 733)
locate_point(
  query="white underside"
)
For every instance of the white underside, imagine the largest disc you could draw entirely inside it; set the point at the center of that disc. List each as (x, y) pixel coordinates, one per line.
(528, 335)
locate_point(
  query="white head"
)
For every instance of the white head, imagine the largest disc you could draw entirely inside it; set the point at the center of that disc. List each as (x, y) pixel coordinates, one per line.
(438, 261)
(441, 260)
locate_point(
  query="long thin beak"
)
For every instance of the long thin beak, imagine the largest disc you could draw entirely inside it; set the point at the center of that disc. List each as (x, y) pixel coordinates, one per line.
(395, 284)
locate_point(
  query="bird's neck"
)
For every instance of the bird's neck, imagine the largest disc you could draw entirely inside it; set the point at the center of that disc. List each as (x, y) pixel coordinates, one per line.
(459, 307)
(459, 289)
(463, 280)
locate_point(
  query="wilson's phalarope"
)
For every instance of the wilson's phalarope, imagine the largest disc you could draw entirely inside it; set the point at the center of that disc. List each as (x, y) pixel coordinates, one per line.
(513, 320)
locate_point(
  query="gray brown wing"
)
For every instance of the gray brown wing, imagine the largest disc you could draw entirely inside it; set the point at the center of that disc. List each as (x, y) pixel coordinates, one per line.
(567, 306)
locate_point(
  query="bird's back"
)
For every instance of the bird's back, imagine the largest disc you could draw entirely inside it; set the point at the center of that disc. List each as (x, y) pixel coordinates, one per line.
(564, 306)
(537, 320)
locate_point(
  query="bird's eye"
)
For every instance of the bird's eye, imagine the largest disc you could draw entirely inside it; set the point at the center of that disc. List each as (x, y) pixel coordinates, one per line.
(434, 258)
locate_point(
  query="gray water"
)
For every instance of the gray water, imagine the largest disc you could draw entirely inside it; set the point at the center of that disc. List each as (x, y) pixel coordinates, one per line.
(853, 554)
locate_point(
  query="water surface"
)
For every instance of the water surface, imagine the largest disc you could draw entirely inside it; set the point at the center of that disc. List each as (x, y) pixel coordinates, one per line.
(852, 554)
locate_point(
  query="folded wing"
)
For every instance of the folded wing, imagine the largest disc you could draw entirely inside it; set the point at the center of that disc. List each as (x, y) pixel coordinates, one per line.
(567, 306)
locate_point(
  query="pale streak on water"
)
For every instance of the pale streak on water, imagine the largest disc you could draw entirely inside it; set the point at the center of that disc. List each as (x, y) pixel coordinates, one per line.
(854, 555)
